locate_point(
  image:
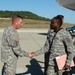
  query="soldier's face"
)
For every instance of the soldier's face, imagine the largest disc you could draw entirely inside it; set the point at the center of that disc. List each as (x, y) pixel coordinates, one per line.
(54, 24)
(19, 23)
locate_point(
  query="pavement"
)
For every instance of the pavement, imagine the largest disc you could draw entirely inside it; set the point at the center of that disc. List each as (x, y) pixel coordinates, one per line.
(31, 39)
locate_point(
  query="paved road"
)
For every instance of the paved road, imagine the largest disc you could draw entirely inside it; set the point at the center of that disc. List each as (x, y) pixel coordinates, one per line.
(30, 40)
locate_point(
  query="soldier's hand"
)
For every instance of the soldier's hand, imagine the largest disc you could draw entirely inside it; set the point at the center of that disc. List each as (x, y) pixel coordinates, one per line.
(67, 66)
(31, 54)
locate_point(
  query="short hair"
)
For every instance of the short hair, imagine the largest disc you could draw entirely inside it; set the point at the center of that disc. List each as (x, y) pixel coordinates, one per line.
(16, 17)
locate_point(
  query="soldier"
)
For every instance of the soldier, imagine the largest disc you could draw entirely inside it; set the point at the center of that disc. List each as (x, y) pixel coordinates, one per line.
(57, 43)
(46, 56)
(10, 49)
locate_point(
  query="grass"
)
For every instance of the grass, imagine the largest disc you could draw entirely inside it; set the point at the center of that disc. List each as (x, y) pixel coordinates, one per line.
(29, 23)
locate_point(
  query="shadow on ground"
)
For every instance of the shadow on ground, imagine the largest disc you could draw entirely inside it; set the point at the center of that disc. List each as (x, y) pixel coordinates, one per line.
(42, 34)
(33, 69)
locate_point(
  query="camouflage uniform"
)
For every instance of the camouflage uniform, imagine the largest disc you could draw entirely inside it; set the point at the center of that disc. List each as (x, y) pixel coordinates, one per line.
(10, 50)
(74, 41)
(46, 55)
(57, 48)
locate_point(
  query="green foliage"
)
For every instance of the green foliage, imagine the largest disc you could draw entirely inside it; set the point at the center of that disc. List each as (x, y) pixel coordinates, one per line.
(24, 14)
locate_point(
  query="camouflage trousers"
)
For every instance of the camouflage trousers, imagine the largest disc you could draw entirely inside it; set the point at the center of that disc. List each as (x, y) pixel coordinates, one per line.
(51, 71)
(9, 68)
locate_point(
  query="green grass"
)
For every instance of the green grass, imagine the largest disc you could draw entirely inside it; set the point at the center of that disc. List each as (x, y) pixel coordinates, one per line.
(29, 23)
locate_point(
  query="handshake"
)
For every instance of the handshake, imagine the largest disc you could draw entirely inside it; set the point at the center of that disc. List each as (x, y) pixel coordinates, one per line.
(31, 54)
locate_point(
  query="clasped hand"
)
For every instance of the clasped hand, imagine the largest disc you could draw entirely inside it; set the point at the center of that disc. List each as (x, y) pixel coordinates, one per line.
(31, 54)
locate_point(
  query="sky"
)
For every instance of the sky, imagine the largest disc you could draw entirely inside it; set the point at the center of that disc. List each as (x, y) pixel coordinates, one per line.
(44, 8)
